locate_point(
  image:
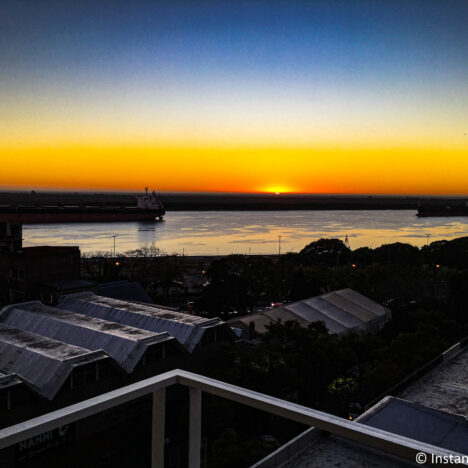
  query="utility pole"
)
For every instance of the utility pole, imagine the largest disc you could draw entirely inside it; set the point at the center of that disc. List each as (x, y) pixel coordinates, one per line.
(427, 237)
(114, 236)
(279, 245)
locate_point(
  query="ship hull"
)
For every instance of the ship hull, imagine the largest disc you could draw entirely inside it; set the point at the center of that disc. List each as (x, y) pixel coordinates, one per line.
(444, 212)
(63, 215)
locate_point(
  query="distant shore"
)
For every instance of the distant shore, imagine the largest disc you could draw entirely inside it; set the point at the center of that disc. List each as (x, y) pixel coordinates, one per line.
(228, 202)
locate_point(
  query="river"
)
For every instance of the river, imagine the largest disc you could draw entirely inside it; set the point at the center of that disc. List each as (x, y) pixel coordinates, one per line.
(254, 232)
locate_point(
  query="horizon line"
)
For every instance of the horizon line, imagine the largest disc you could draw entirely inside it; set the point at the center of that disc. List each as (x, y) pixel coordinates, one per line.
(214, 193)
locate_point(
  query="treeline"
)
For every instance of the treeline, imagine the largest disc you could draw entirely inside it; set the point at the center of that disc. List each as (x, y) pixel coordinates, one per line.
(151, 267)
(395, 274)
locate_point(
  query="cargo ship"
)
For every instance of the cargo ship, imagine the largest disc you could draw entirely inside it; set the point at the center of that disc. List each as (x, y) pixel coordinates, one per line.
(149, 207)
(453, 209)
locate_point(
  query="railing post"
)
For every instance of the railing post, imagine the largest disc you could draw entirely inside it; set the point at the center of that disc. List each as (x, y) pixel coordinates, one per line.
(195, 428)
(158, 428)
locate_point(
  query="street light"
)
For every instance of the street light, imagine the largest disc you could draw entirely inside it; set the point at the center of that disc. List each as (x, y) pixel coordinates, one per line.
(114, 236)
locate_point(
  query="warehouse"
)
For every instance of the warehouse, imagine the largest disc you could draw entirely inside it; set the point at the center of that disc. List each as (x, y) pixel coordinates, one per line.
(126, 345)
(342, 312)
(189, 330)
(45, 364)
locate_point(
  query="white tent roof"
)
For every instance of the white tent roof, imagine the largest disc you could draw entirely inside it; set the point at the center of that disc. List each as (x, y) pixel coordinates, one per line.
(342, 311)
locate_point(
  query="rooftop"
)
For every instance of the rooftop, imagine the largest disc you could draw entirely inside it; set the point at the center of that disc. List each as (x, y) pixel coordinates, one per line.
(187, 329)
(47, 249)
(330, 451)
(8, 380)
(419, 422)
(341, 311)
(444, 388)
(43, 363)
(125, 344)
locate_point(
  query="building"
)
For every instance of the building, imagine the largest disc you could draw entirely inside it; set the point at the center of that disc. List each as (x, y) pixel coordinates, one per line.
(11, 237)
(190, 330)
(342, 312)
(52, 357)
(45, 365)
(127, 346)
(28, 273)
(114, 341)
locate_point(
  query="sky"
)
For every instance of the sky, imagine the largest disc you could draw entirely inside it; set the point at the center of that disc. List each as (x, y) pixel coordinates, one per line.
(235, 96)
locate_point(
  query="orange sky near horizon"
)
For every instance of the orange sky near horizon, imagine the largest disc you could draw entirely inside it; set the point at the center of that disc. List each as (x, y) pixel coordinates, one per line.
(397, 170)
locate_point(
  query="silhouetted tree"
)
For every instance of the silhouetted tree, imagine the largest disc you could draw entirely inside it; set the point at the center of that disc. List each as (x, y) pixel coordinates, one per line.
(331, 252)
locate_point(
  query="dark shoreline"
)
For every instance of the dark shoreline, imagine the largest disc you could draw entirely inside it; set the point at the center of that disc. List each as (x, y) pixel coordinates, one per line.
(229, 202)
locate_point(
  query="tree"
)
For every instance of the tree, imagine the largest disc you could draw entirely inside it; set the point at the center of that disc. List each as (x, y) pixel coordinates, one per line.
(331, 252)
(404, 254)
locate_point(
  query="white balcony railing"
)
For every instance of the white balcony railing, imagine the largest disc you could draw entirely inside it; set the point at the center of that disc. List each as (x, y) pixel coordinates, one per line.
(386, 442)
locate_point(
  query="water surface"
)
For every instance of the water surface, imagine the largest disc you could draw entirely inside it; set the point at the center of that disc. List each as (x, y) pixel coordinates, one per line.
(255, 232)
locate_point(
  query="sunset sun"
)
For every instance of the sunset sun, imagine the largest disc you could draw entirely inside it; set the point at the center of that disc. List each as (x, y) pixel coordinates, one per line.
(277, 189)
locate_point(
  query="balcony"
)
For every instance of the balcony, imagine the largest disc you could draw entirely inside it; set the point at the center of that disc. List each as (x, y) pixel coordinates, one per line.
(367, 438)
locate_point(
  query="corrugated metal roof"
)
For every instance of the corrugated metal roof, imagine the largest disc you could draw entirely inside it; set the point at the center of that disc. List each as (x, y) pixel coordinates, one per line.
(123, 343)
(8, 380)
(43, 363)
(187, 329)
